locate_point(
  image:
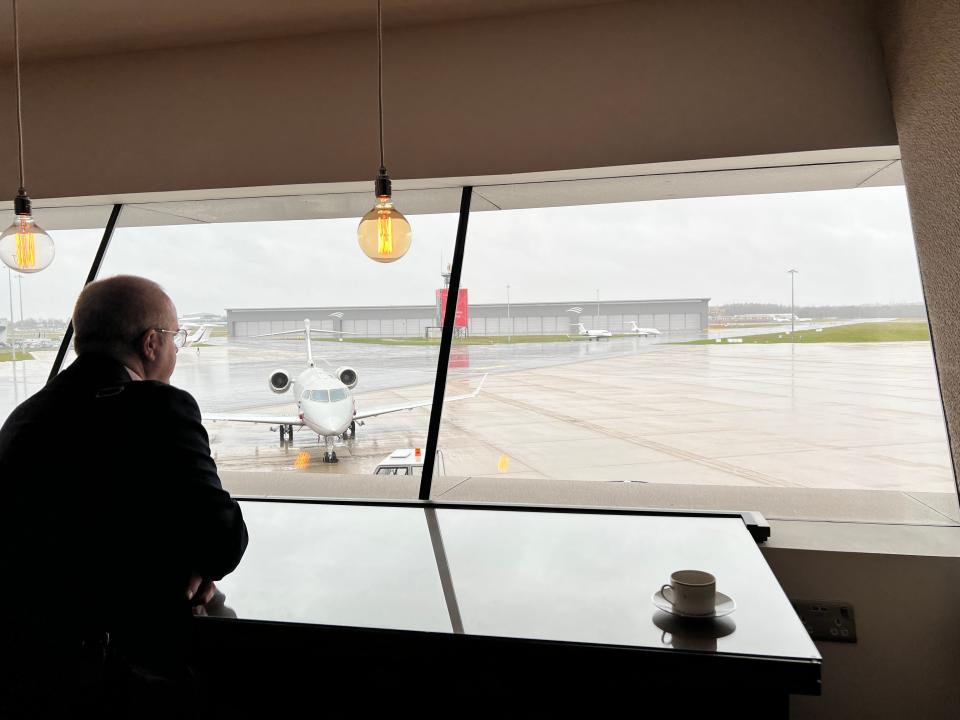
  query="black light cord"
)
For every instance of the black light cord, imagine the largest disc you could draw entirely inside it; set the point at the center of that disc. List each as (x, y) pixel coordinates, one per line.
(16, 46)
(379, 78)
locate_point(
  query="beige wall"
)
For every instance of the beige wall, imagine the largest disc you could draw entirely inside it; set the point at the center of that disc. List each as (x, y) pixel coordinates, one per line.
(922, 51)
(605, 85)
(904, 663)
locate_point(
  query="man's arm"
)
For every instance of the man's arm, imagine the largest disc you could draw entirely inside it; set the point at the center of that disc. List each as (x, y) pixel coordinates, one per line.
(216, 533)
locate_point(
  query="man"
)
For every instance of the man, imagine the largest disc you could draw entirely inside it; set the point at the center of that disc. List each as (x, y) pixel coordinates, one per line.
(115, 521)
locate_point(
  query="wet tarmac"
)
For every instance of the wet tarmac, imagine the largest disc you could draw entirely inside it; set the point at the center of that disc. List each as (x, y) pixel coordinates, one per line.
(864, 416)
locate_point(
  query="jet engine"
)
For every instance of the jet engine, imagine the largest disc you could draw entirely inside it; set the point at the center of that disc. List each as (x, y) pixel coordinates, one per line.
(348, 376)
(279, 381)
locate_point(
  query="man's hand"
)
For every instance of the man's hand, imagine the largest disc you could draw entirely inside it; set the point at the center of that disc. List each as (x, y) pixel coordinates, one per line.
(200, 591)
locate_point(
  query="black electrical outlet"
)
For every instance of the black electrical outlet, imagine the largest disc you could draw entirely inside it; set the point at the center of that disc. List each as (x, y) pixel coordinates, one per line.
(824, 620)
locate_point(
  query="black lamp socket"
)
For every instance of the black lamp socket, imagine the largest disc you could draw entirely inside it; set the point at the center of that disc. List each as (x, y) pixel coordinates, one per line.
(21, 204)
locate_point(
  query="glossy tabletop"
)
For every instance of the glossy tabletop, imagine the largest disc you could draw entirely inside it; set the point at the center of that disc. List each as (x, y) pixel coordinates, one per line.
(560, 576)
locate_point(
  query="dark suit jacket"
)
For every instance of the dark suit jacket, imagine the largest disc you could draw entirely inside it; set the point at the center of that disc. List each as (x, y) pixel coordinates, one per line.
(111, 501)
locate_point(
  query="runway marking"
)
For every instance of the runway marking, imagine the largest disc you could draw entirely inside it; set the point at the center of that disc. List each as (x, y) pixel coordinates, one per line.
(449, 422)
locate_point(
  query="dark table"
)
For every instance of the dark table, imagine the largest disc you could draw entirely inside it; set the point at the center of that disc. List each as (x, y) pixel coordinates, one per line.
(523, 608)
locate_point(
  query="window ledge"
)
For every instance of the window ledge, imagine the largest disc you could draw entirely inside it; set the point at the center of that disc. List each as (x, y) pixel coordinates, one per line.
(856, 537)
(874, 521)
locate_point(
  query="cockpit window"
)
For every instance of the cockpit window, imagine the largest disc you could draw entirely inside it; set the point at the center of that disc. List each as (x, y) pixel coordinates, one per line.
(338, 394)
(320, 395)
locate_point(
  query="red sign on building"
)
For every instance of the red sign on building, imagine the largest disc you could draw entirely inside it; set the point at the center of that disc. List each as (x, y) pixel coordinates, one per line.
(462, 317)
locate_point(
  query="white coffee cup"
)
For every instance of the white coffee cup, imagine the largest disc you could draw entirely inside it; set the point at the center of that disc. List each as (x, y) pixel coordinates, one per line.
(691, 592)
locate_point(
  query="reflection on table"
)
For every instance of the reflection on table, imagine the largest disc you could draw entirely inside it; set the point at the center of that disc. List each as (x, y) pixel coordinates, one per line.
(567, 577)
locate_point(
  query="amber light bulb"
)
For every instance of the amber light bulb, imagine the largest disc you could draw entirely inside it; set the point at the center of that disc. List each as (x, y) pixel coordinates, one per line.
(25, 246)
(384, 233)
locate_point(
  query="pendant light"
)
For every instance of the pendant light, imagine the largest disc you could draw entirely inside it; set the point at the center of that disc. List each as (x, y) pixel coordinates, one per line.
(24, 246)
(383, 234)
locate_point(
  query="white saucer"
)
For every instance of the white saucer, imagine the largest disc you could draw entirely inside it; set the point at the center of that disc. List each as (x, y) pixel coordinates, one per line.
(724, 606)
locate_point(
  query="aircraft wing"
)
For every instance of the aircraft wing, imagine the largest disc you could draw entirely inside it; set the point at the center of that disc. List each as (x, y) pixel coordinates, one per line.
(265, 419)
(373, 412)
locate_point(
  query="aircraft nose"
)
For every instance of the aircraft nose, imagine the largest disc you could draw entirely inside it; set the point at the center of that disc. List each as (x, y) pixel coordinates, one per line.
(329, 418)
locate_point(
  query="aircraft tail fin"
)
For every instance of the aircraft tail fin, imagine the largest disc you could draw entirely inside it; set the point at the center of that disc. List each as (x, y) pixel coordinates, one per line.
(199, 335)
(306, 326)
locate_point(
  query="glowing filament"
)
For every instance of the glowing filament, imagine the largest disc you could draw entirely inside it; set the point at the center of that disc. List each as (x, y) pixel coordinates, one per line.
(26, 246)
(384, 232)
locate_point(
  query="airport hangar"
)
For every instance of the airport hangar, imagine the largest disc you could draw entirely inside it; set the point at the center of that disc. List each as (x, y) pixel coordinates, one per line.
(555, 318)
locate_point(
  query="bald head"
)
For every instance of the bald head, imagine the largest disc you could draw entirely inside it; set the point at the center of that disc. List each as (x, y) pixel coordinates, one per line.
(112, 315)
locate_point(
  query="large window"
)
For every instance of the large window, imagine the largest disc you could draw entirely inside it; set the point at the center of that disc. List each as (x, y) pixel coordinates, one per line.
(247, 291)
(761, 352)
(750, 349)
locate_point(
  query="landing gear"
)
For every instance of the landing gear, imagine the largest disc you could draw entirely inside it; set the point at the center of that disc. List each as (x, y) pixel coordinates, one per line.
(329, 455)
(286, 434)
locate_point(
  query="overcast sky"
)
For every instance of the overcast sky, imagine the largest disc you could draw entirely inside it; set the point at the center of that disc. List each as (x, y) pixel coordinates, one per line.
(850, 246)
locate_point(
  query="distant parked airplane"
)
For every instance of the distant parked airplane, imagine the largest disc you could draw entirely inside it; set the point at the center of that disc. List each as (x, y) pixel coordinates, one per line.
(196, 334)
(593, 334)
(641, 331)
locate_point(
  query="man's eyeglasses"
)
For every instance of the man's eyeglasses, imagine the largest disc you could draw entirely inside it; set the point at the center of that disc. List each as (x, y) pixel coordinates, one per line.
(179, 336)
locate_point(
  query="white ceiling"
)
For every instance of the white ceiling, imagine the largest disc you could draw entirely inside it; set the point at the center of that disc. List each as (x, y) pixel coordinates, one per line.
(794, 172)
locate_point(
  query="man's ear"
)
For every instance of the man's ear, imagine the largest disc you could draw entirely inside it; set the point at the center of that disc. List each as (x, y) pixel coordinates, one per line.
(150, 345)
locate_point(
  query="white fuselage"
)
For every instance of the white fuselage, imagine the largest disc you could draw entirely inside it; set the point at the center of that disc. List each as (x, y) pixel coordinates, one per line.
(325, 404)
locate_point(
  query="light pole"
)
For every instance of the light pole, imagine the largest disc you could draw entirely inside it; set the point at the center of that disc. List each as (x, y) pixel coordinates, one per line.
(23, 366)
(13, 344)
(10, 288)
(597, 323)
(509, 324)
(793, 315)
(20, 283)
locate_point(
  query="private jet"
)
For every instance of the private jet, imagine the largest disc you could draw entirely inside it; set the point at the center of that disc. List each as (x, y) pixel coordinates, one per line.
(196, 334)
(641, 331)
(325, 403)
(593, 334)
